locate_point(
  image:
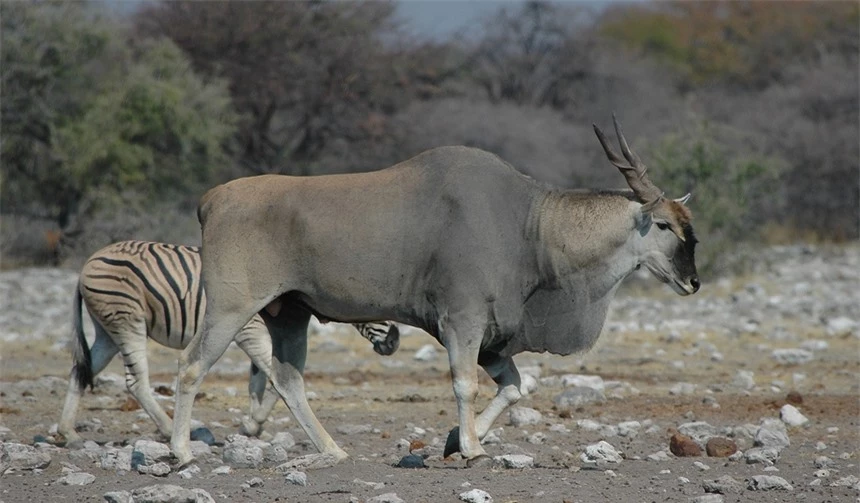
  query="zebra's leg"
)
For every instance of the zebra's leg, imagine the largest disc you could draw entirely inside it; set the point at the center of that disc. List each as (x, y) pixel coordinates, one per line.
(103, 351)
(255, 341)
(505, 374)
(133, 348)
(219, 330)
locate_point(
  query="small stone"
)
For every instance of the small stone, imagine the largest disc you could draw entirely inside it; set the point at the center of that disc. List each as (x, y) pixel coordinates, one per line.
(600, 454)
(682, 388)
(476, 496)
(189, 472)
(721, 447)
(841, 325)
(744, 379)
(411, 461)
(764, 455)
(792, 356)
(117, 497)
(723, 485)
(222, 470)
(772, 433)
(791, 416)
(578, 396)
(147, 452)
(708, 498)
(77, 479)
(583, 381)
(849, 481)
(823, 462)
(701, 466)
(515, 461)
(768, 483)
(22, 457)
(699, 431)
(116, 459)
(684, 446)
(537, 438)
(203, 435)
(658, 456)
(524, 416)
(794, 398)
(528, 384)
(629, 429)
(386, 498)
(354, 429)
(427, 353)
(163, 493)
(160, 469)
(243, 453)
(296, 478)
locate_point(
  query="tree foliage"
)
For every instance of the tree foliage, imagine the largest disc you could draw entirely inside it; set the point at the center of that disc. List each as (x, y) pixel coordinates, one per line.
(90, 121)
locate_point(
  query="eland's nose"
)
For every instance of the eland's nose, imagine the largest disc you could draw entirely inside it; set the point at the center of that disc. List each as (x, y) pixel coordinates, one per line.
(694, 282)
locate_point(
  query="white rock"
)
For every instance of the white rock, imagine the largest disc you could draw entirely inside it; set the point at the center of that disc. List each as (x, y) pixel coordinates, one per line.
(77, 479)
(708, 498)
(147, 453)
(699, 431)
(515, 461)
(296, 478)
(189, 472)
(768, 483)
(386, 498)
(772, 433)
(815, 345)
(117, 497)
(524, 416)
(629, 428)
(744, 379)
(600, 454)
(682, 388)
(164, 493)
(354, 429)
(658, 456)
(160, 469)
(528, 384)
(115, 459)
(840, 326)
(242, 452)
(222, 470)
(791, 416)
(22, 457)
(583, 381)
(763, 455)
(427, 353)
(823, 462)
(588, 425)
(578, 396)
(701, 466)
(850, 481)
(792, 356)
(476, 496)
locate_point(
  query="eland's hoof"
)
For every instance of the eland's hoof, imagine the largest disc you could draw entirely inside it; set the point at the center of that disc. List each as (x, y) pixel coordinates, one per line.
(481, 461)
(452, 444)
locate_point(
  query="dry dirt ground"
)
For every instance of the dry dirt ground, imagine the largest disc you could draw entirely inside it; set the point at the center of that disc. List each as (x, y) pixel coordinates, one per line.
(665, 361)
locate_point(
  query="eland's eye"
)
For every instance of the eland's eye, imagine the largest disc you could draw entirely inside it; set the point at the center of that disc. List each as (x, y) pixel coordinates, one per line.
(662, 226)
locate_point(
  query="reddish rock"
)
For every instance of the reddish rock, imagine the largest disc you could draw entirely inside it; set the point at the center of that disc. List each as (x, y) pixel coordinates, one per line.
(129, 405)
(719, 447)
(684, 446)
(794, 398)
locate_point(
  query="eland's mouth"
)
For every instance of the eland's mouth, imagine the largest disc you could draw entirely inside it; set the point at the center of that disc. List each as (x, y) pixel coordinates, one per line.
(682, 288)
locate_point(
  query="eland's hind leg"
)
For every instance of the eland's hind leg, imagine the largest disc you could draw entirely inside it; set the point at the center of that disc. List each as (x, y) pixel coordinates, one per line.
(102, 352)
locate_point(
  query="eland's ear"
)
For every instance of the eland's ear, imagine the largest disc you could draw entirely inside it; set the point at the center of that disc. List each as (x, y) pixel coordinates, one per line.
(643, 221)
(683, 200)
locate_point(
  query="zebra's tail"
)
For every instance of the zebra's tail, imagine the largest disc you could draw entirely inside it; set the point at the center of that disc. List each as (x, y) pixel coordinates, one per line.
(83, 369)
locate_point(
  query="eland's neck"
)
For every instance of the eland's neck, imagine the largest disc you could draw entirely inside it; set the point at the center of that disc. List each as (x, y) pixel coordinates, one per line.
(586, 241)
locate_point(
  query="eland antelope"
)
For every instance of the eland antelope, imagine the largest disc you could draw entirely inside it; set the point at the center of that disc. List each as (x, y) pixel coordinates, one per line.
(138, 289)
(455, 241)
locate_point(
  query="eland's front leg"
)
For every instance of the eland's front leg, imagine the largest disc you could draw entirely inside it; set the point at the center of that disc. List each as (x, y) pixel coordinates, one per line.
(504, 373)
(463, 348)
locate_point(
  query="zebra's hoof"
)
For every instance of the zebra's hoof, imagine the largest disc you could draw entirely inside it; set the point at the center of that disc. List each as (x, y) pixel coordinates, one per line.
(391, 343)
(452, 444)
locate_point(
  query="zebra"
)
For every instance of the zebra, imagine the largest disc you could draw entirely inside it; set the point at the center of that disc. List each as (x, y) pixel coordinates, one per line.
(138, 289)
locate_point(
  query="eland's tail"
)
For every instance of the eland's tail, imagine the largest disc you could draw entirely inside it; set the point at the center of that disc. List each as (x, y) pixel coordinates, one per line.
(83, 369)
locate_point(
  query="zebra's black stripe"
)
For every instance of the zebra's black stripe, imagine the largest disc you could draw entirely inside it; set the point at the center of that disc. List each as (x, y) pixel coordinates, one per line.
(149, 286)
(189, 278)
(114, 293)
(171, 281)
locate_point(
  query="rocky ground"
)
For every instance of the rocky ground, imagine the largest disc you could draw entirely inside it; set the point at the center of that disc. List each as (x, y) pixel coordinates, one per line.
(766, 363)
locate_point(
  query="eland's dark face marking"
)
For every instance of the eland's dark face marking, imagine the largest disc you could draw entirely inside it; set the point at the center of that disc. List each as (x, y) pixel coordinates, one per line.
(671, 247)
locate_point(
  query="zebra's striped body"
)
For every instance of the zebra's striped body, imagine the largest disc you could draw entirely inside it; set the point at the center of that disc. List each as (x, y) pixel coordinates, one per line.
(134, 290)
